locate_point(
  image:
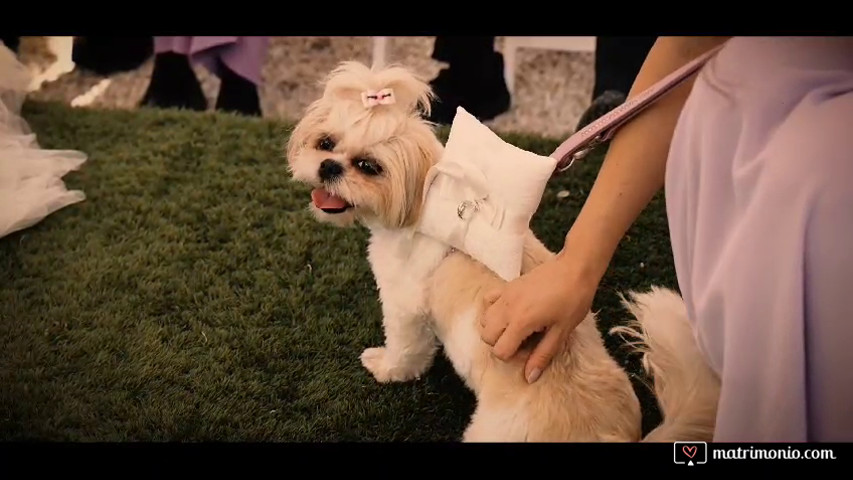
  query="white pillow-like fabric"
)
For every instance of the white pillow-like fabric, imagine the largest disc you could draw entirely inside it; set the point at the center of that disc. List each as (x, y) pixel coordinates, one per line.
(479, 198)
(31, 178)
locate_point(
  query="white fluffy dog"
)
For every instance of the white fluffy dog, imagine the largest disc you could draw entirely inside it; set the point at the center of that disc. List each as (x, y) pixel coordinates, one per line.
(366, 150)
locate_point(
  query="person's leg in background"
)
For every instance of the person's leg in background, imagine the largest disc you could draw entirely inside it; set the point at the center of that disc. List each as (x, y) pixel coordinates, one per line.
(474, 79)
(173, 82)
(237, 61)
(617, 62)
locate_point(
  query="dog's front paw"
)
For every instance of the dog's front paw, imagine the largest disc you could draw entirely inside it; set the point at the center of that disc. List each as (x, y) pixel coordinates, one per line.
(385, 369)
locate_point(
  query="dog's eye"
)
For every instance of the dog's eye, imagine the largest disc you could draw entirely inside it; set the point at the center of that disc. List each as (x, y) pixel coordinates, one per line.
(326, 144)
(367, 166)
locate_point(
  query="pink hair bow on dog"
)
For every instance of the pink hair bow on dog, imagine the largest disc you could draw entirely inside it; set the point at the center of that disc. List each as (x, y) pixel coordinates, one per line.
(382, 97)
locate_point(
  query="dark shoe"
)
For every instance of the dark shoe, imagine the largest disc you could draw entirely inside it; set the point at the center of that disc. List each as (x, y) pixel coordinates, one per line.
(174, 85)
(601, 106)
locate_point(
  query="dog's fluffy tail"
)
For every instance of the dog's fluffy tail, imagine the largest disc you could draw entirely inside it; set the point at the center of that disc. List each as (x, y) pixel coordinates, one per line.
(687, 389)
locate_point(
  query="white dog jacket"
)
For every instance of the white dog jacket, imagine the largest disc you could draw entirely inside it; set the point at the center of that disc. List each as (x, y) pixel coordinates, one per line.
(479, 198)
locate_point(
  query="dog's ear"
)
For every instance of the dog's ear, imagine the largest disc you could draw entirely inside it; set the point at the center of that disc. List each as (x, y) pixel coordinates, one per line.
(422, 150)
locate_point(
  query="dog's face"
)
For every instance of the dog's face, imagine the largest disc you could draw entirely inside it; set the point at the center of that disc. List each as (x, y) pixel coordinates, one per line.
(364, 147)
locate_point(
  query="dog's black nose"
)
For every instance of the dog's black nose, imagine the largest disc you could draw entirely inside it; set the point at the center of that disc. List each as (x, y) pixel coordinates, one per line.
(330, 169)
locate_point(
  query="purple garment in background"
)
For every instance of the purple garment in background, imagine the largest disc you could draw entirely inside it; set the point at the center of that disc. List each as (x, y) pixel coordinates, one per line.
(759, 190)
(243, 55)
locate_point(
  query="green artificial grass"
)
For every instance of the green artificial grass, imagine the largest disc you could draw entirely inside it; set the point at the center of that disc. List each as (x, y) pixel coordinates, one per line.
(192, 297)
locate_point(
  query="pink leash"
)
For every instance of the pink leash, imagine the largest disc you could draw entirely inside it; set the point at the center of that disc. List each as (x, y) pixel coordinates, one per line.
(581, 143)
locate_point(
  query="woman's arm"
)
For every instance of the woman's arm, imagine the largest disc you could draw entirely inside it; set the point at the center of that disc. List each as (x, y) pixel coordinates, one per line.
(634, 168)
(558, 294)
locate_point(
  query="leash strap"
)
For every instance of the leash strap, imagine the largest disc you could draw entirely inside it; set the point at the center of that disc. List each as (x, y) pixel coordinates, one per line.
(582, 142)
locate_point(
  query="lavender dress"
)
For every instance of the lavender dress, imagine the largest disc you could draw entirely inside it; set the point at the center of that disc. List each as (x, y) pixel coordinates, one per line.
(759, 188)
(243, 55)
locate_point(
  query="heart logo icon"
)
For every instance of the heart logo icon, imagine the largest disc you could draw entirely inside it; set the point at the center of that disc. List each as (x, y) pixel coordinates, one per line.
(689, 451)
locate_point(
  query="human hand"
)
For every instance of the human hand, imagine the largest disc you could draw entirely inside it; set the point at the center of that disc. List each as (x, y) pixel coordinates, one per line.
(554, 297)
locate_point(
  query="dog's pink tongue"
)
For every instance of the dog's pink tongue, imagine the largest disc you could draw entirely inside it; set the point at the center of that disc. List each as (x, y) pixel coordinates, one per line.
(324, 199)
